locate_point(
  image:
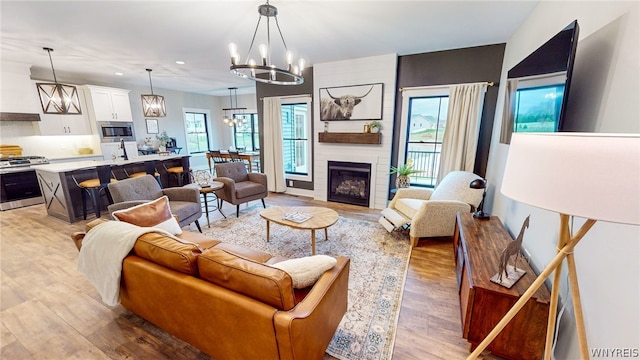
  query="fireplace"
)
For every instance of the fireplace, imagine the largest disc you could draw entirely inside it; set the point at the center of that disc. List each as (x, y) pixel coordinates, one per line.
(349, 182)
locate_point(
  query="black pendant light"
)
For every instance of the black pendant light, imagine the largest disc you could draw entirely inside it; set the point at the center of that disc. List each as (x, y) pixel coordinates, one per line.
(153, 105)
(57, 98)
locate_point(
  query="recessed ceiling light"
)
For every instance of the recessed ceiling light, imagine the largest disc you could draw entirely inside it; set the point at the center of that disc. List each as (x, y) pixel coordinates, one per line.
(179, 62)
(119, 73)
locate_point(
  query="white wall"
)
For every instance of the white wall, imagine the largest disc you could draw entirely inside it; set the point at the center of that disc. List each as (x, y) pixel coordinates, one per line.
(609, 255)
(376, 69)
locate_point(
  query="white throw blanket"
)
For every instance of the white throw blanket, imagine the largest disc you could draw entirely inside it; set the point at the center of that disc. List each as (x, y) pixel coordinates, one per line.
(102, 252)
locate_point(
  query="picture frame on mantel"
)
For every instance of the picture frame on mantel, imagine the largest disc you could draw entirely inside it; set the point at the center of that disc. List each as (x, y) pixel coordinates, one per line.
(152, 126)
(357, 102)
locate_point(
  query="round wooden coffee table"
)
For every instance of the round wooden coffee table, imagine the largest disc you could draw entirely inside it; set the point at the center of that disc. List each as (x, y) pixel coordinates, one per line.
(321, 218)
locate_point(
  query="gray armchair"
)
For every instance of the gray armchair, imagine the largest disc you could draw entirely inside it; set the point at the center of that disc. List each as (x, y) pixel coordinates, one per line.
(239, 185)
(184, 202)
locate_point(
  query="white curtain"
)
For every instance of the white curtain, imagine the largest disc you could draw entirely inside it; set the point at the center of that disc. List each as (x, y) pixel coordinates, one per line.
(463, 124)
(272, 127)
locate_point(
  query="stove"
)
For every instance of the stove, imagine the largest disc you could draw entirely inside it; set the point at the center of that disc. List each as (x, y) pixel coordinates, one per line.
(18, 182)
(20, 161)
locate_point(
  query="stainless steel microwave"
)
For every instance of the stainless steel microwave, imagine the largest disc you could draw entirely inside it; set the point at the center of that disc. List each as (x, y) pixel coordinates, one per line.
(113, 131)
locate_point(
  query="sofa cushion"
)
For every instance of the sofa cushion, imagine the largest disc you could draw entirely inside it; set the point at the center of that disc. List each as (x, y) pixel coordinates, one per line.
(305, 271)
(248, 188)
(156, 213)
(168, 252)
(249, 277)
(408, 206)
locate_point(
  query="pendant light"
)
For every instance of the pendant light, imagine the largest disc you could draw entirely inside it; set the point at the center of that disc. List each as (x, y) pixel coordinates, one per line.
(153, 105)
(57, 98)
(232, 120)
(266, 71)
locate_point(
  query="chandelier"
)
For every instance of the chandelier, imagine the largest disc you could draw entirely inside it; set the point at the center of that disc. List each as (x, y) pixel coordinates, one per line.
(57, 98)
(153, 105)
(233, 119)
(266, 71)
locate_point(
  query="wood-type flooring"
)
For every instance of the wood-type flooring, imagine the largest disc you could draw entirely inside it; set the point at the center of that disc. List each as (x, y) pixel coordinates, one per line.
(50, 311)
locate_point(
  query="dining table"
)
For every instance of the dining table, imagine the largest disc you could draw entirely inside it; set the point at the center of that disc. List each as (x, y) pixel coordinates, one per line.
(249, 156)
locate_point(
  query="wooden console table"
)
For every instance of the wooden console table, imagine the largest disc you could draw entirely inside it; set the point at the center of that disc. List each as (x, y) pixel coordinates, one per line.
(477, 245)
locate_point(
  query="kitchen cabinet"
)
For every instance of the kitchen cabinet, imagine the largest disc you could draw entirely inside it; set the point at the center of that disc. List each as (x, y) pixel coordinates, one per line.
(52, 124)
(107, 104)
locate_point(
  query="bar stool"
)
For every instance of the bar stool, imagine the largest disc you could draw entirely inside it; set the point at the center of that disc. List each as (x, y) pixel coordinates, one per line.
(150, 168)
(178, 171)
(93, 188)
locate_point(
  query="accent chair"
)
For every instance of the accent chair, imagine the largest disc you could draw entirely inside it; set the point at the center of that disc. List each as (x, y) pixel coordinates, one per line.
(240, 186)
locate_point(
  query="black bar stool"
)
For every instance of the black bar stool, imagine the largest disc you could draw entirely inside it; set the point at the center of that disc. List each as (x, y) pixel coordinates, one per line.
(179, 171)
(93, 188)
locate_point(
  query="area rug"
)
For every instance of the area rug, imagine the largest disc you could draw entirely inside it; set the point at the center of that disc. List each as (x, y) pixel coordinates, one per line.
(378, 269)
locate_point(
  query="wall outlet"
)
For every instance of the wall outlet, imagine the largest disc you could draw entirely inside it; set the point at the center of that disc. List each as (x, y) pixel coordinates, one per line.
(290, 183)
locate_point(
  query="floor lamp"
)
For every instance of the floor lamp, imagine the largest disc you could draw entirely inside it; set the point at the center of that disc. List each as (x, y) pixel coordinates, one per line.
(588, 175)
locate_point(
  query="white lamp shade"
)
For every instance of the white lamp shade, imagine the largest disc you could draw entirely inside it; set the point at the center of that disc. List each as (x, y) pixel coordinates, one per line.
(590, 175)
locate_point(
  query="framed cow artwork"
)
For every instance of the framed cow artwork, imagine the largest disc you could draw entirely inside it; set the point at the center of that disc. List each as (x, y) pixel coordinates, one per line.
(358, 102)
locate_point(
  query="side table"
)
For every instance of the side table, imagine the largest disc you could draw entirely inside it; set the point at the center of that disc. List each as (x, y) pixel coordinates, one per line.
(209, 189)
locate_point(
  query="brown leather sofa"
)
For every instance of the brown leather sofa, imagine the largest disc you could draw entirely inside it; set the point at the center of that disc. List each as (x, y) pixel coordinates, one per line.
(226, 301)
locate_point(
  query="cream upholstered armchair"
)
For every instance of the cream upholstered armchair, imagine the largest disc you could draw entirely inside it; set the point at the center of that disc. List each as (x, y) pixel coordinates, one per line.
(432, 212)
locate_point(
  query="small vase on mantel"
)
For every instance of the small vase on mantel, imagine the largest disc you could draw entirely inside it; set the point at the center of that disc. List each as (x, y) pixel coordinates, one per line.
(402, 181)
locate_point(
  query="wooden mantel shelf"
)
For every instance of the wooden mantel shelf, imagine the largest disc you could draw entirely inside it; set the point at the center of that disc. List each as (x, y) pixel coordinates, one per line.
(350, 138)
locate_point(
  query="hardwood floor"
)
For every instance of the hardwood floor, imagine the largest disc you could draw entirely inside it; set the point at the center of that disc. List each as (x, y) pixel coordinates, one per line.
(49, 310)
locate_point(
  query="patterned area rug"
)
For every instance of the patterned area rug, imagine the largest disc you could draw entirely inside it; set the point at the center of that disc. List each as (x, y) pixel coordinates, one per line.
(378, 269)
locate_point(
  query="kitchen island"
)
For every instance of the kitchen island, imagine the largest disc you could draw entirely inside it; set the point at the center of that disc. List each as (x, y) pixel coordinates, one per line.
(62, 196)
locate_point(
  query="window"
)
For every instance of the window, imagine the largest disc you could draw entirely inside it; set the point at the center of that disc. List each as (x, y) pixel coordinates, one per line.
(425, 120)
(296, 133)
(246, 134)
(195, 123)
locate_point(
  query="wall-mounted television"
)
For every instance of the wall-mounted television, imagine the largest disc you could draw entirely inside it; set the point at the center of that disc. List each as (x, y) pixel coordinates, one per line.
(537, 87)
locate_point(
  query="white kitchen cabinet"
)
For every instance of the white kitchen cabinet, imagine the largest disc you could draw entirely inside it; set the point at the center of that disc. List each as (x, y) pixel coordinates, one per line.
(52, 124)
(107, 104)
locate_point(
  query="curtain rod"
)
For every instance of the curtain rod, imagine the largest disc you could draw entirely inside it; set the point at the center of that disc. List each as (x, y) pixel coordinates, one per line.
(489, 83)
(289, 96)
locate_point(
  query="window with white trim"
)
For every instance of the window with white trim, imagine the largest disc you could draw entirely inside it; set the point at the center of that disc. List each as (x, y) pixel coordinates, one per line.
(296, 138)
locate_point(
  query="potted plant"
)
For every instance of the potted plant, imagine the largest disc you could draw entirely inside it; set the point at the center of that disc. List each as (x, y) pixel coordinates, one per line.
(375, 126)
(403, 172)
(163, 138)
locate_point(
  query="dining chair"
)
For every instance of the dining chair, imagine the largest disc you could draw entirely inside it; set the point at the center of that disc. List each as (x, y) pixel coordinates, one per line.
(235, 157)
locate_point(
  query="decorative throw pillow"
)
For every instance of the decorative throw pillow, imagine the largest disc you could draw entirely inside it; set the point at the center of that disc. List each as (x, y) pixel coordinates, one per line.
(155, 214)
(305, 271)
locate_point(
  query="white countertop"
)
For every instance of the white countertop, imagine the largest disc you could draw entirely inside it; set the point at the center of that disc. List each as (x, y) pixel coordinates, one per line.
(87, 164)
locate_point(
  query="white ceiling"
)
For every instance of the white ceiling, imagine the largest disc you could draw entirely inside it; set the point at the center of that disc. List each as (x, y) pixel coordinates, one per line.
(95, 39)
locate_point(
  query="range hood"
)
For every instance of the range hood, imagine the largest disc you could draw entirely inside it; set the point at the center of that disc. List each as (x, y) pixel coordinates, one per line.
(18, 96)
(9, 116)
